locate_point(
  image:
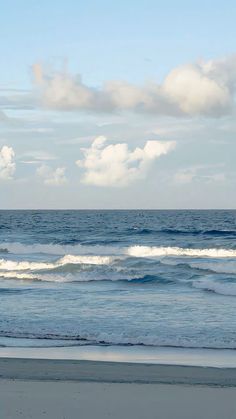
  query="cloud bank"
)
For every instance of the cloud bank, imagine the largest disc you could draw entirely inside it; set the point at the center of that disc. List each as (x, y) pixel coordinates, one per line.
(7, 163)
(116, 165)
(204, 88)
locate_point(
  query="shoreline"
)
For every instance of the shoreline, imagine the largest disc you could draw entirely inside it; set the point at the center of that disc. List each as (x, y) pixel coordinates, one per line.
(113, 372)
(214, 358)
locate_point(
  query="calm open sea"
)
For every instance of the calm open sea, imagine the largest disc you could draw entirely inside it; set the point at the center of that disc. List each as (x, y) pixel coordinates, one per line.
(160, 278)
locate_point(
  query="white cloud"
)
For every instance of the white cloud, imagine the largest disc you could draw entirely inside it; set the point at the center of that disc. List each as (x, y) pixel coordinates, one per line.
(52, 177)
(7, 163)
(68, 93)
(115, 165)
(195, 90)
(206, 88)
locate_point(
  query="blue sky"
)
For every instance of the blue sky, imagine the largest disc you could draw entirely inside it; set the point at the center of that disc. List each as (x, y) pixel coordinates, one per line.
(134, 40)
(173, 64)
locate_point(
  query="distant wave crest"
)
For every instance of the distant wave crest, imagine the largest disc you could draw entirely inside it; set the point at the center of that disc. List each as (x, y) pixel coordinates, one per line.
(154, 251)
(54, 249)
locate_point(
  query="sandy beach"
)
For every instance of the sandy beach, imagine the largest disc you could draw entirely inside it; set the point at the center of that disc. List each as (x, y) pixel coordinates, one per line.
(66, 389)
(66, 400)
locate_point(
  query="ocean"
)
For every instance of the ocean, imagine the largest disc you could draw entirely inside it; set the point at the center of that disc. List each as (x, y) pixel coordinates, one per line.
(131, 277)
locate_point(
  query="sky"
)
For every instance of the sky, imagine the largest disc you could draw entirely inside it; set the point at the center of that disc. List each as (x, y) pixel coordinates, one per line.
(127, 104)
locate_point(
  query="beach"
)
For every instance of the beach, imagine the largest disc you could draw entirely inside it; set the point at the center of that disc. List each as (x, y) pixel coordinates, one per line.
(68, 389)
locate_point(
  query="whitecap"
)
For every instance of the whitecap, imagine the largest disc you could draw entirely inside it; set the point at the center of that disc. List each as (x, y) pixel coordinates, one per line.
(154, 251)
(10, 265)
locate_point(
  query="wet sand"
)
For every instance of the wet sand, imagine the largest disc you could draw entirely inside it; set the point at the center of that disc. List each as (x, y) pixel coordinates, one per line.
(69, 389)
(114, 372)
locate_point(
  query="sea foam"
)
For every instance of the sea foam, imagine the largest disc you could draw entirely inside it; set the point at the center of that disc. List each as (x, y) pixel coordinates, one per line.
(10, 265)
(154, 251)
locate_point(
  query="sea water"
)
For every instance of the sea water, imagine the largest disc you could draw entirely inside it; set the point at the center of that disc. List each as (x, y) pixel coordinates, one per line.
(150, 278)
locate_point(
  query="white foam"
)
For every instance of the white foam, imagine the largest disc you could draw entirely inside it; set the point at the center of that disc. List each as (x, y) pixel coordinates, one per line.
(90, 260)
(78, 276)
(154, 251)
(40, 277)
(10, 265)
(17, 275)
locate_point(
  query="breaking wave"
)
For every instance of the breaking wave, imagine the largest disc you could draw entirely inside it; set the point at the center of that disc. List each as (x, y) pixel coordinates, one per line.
(82, 276)
(125, 265)
(10, 265)
(153, 251)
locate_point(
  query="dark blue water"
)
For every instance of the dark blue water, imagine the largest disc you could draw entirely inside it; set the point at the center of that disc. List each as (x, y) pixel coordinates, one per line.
(162, 278)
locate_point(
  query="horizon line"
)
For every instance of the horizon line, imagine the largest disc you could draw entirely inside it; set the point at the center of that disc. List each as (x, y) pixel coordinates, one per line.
(117, 209)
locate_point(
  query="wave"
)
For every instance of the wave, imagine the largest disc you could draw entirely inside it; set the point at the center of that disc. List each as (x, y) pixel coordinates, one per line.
(68, 277)
(57, 249)
(107, 251)
(153, 251)
(17, 275)
(10, 265)
(228, 289)
(228, 267)
(86, 276)
(123, 267)
(219, 267)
